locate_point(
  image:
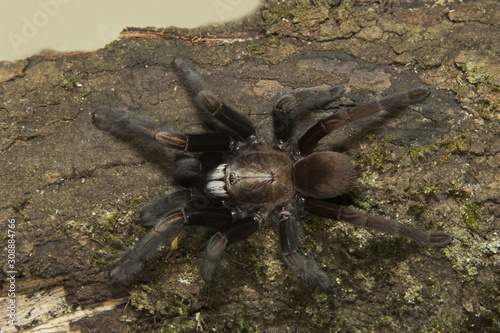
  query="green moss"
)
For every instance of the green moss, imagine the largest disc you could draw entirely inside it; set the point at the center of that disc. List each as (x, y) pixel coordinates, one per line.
(173, 303)
(436, 327)
(457, 146)
(296, 12)
(453, 146)
(103, 230)
(377, 156)
(186, 325)
(140, 299)
(416, 152)
(71, 83)
(387, 322)
(363, 203)
(485, 108)
(489, 101)
(471, 213)
(262, 46)
(275, 15)
(479, 91)
(114, 216)
(256, 48)
(179, 303)
(474, 72)
(348, 18)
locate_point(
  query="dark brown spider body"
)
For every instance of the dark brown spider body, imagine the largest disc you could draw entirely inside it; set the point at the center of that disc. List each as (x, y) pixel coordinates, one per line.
(325, 174)
(257, 177)
(240, 182)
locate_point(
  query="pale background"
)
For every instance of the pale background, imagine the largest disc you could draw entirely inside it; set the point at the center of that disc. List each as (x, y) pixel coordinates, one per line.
(30, 26)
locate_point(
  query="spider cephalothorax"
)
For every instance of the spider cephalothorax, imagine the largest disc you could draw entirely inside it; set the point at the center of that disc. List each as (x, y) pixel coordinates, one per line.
(239, 182)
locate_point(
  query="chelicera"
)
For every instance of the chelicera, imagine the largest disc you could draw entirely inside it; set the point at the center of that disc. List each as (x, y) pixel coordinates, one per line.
(237, 183)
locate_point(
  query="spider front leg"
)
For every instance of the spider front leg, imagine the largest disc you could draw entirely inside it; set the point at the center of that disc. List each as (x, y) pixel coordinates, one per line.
(289, 106)
(207, 101)
(390, 105)
(289, 236)
(164, 231)
(148, 133)
(341, 213)
(165, 222)
(173, 201)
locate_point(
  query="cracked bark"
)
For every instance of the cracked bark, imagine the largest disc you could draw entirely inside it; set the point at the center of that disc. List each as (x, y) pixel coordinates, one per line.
(76, 192)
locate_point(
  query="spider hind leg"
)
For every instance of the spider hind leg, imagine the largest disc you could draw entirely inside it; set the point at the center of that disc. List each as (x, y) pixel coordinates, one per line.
(387, 106)
(238, 230)
(341, 213)
(289, 235)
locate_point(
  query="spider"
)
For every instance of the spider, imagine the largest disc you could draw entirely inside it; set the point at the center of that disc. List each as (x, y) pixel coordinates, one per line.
(237, 183)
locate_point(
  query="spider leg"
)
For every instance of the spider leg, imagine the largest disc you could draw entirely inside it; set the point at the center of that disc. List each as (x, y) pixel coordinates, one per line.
(238, 230)
(164, 205)
(146, 132)
(389, 105)
(289, 235)
(192, 201)
(289, 106)
(207, 101)
(355, 217)
(188, 166)
(164, 231)
(165, 227)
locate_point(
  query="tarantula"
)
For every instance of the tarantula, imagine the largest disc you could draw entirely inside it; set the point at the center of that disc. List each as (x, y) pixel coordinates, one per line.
(238, 182)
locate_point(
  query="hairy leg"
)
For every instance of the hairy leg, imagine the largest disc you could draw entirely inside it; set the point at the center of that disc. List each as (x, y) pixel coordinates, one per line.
(207, 101)
(189, 167)
(164, 231)
(165, 218)
(388, 105)
(355, 217)
(291, 105)
(238, 230)
(146, 132)
(165, 204)
(289, 235)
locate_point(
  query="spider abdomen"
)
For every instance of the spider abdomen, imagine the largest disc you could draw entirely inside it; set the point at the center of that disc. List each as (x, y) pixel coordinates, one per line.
(324, 174)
